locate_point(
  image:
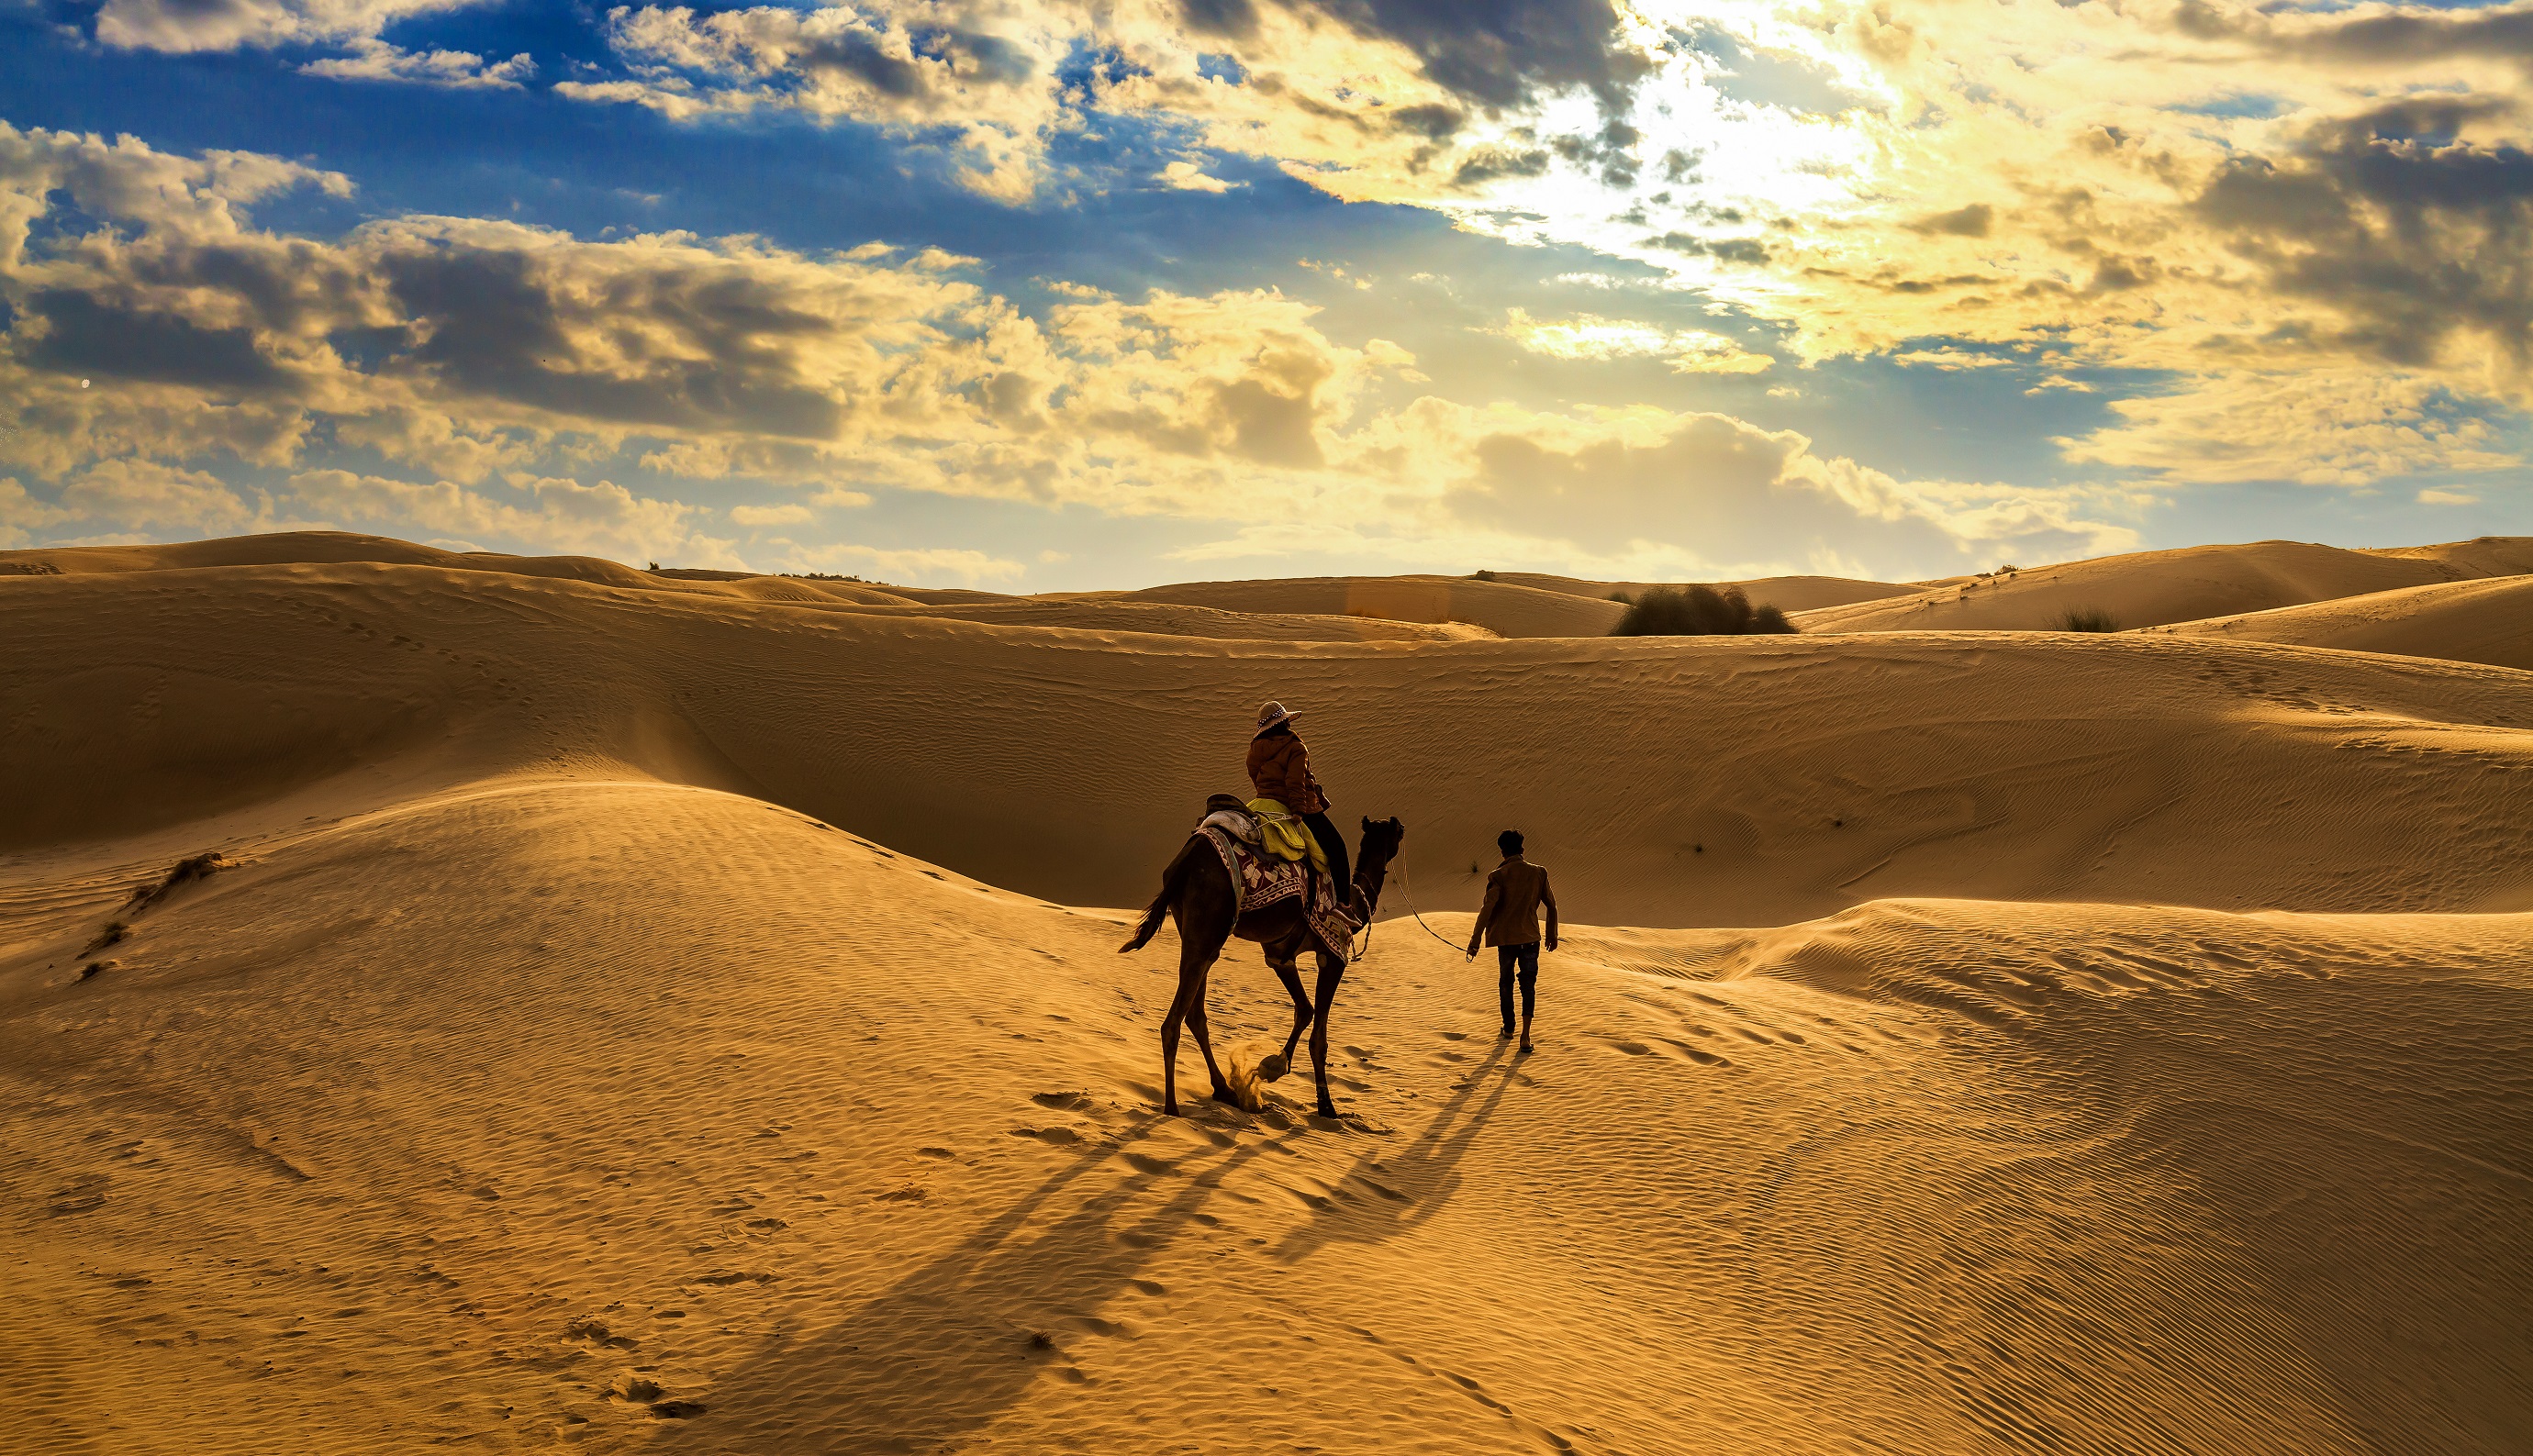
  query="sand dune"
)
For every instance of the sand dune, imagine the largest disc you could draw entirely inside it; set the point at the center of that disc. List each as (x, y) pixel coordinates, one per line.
(650, 1018)
(1172, 619)
(2482, 555)
(2153, 588)
(653, 1117)
(1505, 610)
(1694, 781)
(1784, 593)
(2465, 621)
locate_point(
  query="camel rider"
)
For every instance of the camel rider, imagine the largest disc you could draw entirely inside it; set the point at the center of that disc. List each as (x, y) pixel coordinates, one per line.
(1279, 769)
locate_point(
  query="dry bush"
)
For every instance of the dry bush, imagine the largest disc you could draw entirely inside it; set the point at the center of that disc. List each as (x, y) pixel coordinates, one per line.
(1696, 612)
(2086, 620)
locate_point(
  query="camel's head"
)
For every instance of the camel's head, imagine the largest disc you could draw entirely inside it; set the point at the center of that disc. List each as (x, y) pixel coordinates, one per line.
(1381, 841)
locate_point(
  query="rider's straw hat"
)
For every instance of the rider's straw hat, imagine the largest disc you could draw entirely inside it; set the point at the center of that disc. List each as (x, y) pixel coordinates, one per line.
(1271, 714)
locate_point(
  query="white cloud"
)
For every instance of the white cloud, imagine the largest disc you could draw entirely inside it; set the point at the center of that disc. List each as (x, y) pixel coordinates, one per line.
(142, 495)
(1591, 336)
(376, 60)
(543, 514)
(770, 515)
(539, 359)
(2446, 497)
(2319, 427)
(912, 566)
(228, 25)
(21, 514)
(1189, 176)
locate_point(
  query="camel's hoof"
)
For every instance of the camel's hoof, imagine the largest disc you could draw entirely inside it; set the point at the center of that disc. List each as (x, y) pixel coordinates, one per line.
(1273, 1067)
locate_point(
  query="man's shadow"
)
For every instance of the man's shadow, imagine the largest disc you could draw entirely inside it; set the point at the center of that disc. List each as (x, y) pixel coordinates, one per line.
(951, 1344)
(1386, 1195)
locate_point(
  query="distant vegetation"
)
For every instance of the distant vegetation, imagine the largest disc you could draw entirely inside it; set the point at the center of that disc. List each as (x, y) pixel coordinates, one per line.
(2086, 620)
(1696, 611)
(1481, 576)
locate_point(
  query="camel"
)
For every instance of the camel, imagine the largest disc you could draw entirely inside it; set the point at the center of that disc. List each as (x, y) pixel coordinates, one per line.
(1199, 892)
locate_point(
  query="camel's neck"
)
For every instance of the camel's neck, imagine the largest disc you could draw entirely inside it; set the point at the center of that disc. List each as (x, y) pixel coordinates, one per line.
(1368, 880)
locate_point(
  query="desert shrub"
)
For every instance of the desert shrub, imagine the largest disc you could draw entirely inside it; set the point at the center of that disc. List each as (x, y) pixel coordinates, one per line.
(1623, 599)
(1697, 611)
(2086, 620)
(1481, 576)
(186, 872)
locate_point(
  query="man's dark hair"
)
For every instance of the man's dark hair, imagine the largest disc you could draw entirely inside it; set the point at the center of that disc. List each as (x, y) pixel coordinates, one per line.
(1509, 841)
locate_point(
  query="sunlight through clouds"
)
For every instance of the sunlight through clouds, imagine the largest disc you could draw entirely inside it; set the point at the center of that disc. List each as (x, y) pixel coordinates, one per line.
(1590, 336)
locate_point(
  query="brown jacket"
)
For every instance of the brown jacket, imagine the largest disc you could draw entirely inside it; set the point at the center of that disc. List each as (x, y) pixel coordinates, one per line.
(1516, 892)
(1279, 768)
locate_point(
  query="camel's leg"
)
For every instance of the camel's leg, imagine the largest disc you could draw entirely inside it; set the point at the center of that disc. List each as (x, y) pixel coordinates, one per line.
(1205, 1045)
(1332, 971)
(1291, 975)
(1193, 965)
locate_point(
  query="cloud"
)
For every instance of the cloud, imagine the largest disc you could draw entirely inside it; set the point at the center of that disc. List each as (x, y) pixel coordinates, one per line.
(1624, 485)
(2325, 428)
(602, 520)
(533, 362)
(21, 514)
(2448, 498)
(1591, 336)
(1189, 176)
(376, 60)
(2211, 188)
(230, 25)
(771, 515)
(144, 494)
(914, 565)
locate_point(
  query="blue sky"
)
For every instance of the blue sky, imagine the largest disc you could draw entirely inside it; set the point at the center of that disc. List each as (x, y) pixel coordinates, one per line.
(1043, 297)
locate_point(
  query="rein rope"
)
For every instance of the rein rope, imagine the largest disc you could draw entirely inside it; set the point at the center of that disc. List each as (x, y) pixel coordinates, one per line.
(1413, 913)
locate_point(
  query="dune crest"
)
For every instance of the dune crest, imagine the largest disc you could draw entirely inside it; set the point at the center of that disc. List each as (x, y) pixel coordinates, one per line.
(2465, 621)
(2146, 589)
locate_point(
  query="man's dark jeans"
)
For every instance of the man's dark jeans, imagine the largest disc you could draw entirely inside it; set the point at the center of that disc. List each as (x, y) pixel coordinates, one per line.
(1332, 845)
(1526, 958)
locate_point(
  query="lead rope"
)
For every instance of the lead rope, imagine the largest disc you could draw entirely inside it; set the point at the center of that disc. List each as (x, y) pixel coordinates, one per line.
(1413, 912)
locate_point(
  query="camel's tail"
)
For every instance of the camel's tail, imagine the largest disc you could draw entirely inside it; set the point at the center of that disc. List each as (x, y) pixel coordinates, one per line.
(1173, 881)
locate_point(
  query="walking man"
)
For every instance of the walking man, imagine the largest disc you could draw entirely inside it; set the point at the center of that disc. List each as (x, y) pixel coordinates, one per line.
(1509, 922)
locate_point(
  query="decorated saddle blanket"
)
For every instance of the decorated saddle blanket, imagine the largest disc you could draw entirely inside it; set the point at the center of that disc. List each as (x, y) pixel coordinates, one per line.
(1267, 880)
(1286, 837)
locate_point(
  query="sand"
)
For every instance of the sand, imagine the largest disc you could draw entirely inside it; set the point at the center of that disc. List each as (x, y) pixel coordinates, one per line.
(1784, 593)
(2154, 588)
(653, 1019)
(2466, 621)
(1504, 609)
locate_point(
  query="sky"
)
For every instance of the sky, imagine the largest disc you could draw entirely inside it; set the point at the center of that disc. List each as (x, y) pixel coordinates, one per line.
(1037, 295)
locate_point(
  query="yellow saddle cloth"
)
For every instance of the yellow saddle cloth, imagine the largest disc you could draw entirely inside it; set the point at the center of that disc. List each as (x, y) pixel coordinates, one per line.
(1286, 835)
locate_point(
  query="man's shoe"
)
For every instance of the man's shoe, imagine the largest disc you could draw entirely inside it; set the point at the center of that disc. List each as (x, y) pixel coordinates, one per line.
(1506, 1034)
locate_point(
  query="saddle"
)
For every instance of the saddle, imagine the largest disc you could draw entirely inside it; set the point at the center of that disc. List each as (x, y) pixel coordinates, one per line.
(1264, 877)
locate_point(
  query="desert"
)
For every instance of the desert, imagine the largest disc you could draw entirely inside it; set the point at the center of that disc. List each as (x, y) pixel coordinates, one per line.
(456, 999)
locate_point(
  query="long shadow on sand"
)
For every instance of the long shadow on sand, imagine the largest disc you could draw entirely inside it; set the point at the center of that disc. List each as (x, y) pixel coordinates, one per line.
(1385, 1193)
(949, 1347)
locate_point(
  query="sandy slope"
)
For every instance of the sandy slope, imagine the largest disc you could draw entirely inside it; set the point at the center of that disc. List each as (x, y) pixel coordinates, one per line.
(543, 1072)
(653, 1117)
(1692, 780)
(1784, 593)
(1504, 609)
(2153, 588)
(1172, 619)
(2465, 621)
